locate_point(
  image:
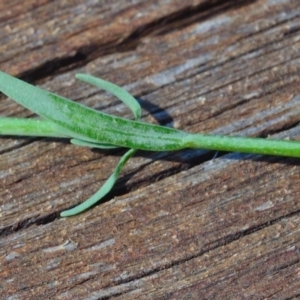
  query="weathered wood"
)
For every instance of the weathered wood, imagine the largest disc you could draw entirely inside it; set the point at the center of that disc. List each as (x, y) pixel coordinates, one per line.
(33, 31)
(177, 225)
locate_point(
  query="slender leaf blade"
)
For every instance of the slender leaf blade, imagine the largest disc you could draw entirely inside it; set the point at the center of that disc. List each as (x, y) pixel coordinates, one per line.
(84, 123)
(114, 89)
(107, 186)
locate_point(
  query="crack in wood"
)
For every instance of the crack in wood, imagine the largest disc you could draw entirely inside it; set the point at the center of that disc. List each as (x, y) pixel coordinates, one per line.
(21, 225)
(175, 21)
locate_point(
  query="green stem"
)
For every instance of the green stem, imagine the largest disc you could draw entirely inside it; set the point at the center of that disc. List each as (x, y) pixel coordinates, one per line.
(243, 144)
(29, 127)
(44, 128)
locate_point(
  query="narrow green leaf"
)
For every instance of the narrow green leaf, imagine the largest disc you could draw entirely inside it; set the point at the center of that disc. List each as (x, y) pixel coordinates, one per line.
(114, 89)
(107, 186)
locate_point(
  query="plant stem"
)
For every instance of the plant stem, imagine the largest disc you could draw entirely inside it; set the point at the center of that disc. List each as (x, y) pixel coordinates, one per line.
(243, 144)
(29, 127)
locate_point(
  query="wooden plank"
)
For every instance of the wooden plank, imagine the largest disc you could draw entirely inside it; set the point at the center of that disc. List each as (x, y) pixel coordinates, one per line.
(177, 225)
(75, 32)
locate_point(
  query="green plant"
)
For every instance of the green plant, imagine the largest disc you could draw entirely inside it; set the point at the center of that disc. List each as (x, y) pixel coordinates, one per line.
(88, 127)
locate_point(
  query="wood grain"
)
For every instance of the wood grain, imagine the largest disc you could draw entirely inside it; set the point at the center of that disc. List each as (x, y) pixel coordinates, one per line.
(191, 224)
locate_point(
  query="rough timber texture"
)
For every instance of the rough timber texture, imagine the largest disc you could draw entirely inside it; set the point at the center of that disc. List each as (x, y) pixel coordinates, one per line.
(185, 225)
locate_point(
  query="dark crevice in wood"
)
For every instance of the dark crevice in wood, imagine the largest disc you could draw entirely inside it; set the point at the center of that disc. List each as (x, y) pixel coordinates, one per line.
(264, 30)
(285, 266)
(54, 66)
(115, 294)
(186, 17)
(284, 127)
(292, 31)
(27, 223)
(173, 22)
(269, 44)
(295, 296)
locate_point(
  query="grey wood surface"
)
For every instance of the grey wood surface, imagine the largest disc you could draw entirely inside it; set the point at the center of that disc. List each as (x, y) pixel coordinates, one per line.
(190, 224)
